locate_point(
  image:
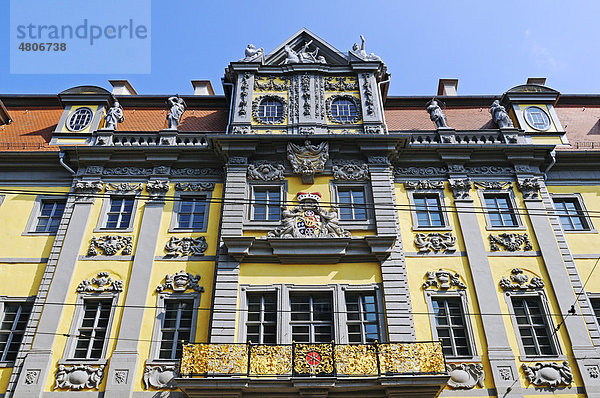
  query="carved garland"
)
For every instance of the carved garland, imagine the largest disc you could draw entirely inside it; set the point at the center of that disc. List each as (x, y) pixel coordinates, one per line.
(424, 184)
(186, 246)
(369, 104)
(354, 100)
(519, 281)
(443, 280)
(352, 170)
(256, 104)
(267, 83)
(342, 83)
(103, 283)
(194, 187)
(109, 245)
(500, 185)
(124, 187)
(243, 94)
(435, 242)
(180, 282)
(305, 85)
(510, 241)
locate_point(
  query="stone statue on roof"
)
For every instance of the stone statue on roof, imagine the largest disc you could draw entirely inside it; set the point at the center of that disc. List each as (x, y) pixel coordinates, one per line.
(113, 116)
(176, 106)
(252, 53)
(360, 52)
(303, 56)
(436, 114)
(500, 116)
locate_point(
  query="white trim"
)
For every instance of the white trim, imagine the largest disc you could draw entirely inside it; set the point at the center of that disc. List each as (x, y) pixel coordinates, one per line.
(101, 226)
(36, 211)
(251, 224)
(413, 209)
(369, 222)
(512, 203)
(177, 205)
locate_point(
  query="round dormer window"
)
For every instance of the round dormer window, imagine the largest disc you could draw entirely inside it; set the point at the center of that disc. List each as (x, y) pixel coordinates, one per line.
(80, 119)
(537, 118)
(270, 110)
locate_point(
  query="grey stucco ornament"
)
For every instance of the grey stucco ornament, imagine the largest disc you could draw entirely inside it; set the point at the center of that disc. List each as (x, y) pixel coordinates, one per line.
(303, 56)
(176, 106)
(159, 376)
(252, 53)
(435, 242)
(124, 187)
(194, 186)
(113, 116)
(101, 283)
(360, 52)
(498, 185)
(78, 376)
(465, 376)
(350, 170)
(510, 242)
(157, 188)
(180, 282)
(443, 280)
(109, 245)
(436, 114)
(549, 374)
(500, 116)
(263, 170)
(186, 246)
(519, 281)
(85, 189)
(308, 160)
(529, 187)
(424, 184)
(460, 188)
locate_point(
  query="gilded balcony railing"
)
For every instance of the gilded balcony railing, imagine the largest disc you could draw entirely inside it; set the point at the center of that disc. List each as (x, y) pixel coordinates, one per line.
(322, 359)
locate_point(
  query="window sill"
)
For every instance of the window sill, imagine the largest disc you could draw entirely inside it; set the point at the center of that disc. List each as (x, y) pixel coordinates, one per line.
(32, 233)
(113, 230)
(580, 231)
(181, 230)
(443, 228)
(158, 361)
(475, 358)
(261, 225)
(524, 358)
(357, 224)
(7, 364)
(516, 228)
(71, 361)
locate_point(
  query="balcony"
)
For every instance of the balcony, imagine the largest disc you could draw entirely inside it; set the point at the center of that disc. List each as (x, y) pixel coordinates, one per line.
(315, 370)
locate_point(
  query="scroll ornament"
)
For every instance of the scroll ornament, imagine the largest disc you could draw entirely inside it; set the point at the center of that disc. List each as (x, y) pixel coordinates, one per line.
(351, 170)
(443, 280)
(186, 246)
(110, 245)
(103, 283)
(550, 374)
(465, 376)
(435, 242)
(78, 376)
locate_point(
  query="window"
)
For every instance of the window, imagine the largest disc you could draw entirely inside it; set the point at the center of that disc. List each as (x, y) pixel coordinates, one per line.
(311, 318)
(12, 328)
(261, 325)
(80, 119)
(361, 313)
(344, 110)
(428, 210)
(266, 204)
(500, 210)
(451, 327)
(537, 118)
(352, 203)
(270, 111)
(92, 330)
(532, 325)
(120, 212)
(191, 212)
(595, 301)
(51, 212)
(571, 213)
(176, 327)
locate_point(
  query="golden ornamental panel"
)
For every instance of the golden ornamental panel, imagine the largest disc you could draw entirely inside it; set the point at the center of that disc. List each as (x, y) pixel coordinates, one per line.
(411, 358)
(356, 360)
(215, 359)
(313, 358)
(270, 359)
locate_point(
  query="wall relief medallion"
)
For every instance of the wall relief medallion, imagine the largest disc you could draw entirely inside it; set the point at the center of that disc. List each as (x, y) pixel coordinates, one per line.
(103, 283)
(263, 170)
(159, 376)
(493, 185)
(529, 187)
(78, 377)
(186, 246)
(194, 186)
(510, 242)
(269, 97)
(308, 160)
(350, 170)
(424, 184)
(180, 282)
(460, 188)
(443, 280)
(309, 220)
(519, 281)
(124, 187)
(435, 242)
(549, 374)
(465, 376)
(109, 245)
(350, 98)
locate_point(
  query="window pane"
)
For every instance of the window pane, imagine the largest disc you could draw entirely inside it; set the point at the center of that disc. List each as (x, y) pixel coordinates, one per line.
(450, 325)
(92, 330)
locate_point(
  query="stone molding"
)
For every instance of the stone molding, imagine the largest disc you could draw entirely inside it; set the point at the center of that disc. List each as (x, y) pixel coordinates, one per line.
(157, 188)
(510, 241)
(465, 376)
(421, 171)
(124, 187)
(109, 245)
(435, 242)
(180, 282)
(379, 160)
(78, 377)
(88, 189)
(103, 282)
(499, 185)
(186, 246)
(549, 374)
(263, 170)
(194, 186)
(460, 188)
(443, 280)
(529, 187)
(424, 184)
(350, 170)
(237, 160)
(308, 160)
(519, 281)
(160, 376)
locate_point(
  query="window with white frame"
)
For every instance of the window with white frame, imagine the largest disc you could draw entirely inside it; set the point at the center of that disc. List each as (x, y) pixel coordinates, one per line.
(451, 326)
(595, 301)
(500, 210)
(571, 213)
(266, 203)
(191, 212)
(119, 214)
(15, 315)
(533, 326)
(177, 326)
(352, 203)
(261, 323)
(93, 328)
(311, 317)
(362, 317)
(50, 214)
(428, 210)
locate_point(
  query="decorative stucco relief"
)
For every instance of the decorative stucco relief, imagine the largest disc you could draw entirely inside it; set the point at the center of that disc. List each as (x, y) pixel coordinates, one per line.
(180, 282)
(460, 188)
(350, 170)
(529, 187)
(157, 188)
(85, 189)
(424, 184)
(159, 376)
(510, 241)
(443, 279)
(435, 242)
(109, 245)
(263, 170)
(421, 171)
(78, 376)
(465, 376)
(549, 374)
(493, 184)
(101, 283)
(186, 246)
(194, 186)
(308, 160)
(519, 281)
(124, 187)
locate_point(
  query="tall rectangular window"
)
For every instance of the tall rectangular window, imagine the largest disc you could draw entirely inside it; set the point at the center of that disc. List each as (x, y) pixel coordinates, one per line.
(311, 318)
(51, 212)
(261, 326)
(191, 212)
(91, 334)
(532, 325)
(176, 327)
(266, 204)
(12, 328)
(428, 210)
(451, 326)
(596, 307)
(361, 312)
(500, 210)
(352, 203)
(119, 212)
(571, 214)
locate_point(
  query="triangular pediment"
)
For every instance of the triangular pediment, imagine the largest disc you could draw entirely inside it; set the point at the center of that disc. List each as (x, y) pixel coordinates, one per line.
(318, 50)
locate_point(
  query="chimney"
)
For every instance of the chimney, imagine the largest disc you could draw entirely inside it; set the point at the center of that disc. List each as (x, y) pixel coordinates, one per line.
(447, 87)
(202, 87)
(537, 80)
(122, 87)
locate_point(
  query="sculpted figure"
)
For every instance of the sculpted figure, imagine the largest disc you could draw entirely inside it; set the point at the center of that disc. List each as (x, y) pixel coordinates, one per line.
(113, 116)
(291, 55)
(252, 53)
(500, 116)
(436, 114)
(360, 52)
(176, 108)
(303, 56)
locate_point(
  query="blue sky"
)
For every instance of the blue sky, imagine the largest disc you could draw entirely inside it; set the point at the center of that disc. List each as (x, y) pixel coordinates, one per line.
(488, 47)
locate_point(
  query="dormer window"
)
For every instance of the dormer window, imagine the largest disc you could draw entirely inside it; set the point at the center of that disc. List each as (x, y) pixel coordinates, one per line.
(80, 119)
(270, 110)
(343, 110)
(537, 118)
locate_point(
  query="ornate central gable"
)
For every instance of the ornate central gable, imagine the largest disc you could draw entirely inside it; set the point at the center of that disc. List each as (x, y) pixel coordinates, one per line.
(304, 41)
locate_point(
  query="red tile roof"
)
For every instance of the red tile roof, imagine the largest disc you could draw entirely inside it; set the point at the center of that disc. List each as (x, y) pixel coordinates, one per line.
(30, 130)
(457, 118)
(582, 124)
(154, 119)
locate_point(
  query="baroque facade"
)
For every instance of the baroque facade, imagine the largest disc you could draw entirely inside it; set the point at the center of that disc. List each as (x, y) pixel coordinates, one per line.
(303, 235)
